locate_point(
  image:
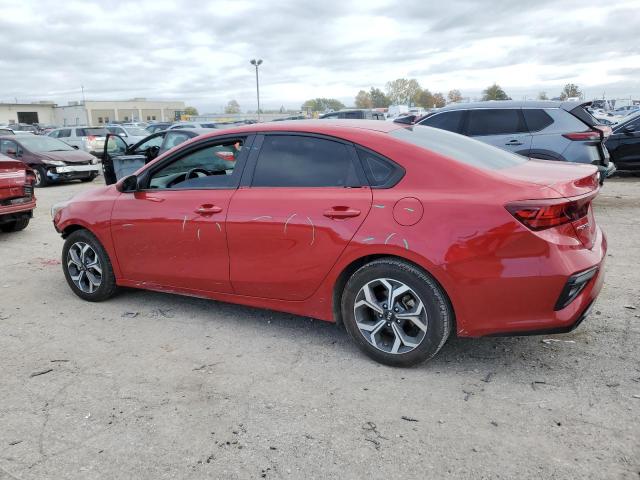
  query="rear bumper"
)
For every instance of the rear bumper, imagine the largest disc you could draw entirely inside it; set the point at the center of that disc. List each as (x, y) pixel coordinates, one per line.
(20, 208)
(529, 307)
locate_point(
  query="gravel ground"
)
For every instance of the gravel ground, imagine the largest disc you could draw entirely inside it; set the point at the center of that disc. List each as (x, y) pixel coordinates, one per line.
(154, 386)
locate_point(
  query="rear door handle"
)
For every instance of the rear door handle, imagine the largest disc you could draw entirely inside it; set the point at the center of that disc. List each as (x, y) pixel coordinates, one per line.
(208, 209)
(341, 212)
(514, 142)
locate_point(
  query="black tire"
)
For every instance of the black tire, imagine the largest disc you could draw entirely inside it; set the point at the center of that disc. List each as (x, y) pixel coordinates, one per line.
(41, 176)
(439, 314)
(16, 225)
(88, 179)
(107, 287)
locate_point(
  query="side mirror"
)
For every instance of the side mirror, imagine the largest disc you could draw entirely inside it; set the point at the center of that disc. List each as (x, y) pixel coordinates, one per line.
(128, 184)
(11, 151)
(629, 129)
(75, 147)
(122, 134)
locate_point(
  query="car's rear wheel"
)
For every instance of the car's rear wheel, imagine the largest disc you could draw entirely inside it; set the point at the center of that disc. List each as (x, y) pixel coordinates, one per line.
(41, 176)
(396, 313)
(87, 267)
(16, 225)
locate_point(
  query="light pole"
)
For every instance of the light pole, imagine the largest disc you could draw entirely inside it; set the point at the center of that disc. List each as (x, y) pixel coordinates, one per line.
(257, 63)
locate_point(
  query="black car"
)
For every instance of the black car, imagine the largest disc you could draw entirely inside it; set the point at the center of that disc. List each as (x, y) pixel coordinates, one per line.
(624, 144)
(120, 160)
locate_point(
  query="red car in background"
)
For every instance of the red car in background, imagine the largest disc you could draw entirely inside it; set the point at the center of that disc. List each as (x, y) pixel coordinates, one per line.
(404, 234)
(16, 195)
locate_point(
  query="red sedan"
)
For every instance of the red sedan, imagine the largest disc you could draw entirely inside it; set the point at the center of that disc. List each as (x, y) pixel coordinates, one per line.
(406, 235)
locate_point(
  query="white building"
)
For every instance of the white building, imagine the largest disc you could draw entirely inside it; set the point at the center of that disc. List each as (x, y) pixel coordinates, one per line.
(91, 112)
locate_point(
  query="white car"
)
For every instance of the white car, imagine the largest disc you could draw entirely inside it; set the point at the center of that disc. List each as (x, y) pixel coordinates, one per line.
(131, 135)
(88, 139)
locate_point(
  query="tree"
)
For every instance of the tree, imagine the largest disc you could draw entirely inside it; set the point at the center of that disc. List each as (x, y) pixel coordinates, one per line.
(191, 111)
(378, 98)
(438, 100)
(322, 104)
(454, 96)
(543, 96)
(232, 107)
(425, 99)
(494, 92)
(403, 91)
(363, 100)
(570, 90)
(281, 109)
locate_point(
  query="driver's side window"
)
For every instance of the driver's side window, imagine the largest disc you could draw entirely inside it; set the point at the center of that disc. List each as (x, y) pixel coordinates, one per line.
(209, 167)
(152, 142)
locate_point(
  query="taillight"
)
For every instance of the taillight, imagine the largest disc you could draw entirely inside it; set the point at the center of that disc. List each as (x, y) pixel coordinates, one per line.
(586, 135)
(91, 138)
(605, 131)
(542, 214)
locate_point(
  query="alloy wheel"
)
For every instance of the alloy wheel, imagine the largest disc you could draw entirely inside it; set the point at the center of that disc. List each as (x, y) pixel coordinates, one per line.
(83, 265)
(390, 316)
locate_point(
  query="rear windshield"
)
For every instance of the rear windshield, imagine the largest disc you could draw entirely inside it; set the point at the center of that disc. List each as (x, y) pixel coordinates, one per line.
(91, 132)
(459, 147)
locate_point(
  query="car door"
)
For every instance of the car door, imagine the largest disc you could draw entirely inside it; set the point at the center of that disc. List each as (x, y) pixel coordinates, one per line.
(501, 127)
(171, 231)
(118, 159)
(624, 145)
(290, 221)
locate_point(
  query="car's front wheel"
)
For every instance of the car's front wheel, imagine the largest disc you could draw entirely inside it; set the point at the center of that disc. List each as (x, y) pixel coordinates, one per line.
(87, 267)
(396, 313)
(41, 176)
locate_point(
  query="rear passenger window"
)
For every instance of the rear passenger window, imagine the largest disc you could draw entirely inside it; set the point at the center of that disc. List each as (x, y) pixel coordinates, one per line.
(64, 133)
(299, 161)
(380, 171)
(536, 119)
(450, 121)
(495, 121)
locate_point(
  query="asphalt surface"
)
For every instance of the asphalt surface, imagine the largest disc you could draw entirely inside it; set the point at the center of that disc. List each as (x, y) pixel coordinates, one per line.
(155, 386)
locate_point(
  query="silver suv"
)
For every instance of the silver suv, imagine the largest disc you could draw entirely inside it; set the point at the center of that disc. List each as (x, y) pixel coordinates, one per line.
(89, 139)
(546, 130)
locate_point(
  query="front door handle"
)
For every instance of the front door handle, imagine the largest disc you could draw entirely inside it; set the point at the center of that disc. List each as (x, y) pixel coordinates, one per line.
(208, 209)
(341, 212)
(514, 142)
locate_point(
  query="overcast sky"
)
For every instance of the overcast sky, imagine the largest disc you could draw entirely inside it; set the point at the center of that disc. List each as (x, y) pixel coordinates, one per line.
(199, 52)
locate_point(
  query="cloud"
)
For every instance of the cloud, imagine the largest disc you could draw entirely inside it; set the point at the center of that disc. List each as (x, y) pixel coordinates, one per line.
(200, 52)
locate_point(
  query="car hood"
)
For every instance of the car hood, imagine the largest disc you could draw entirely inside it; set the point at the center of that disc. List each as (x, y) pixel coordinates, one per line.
(71, 156)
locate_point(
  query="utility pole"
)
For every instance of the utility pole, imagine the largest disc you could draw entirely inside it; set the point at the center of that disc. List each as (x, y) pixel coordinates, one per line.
(82, 87)
(257, 63)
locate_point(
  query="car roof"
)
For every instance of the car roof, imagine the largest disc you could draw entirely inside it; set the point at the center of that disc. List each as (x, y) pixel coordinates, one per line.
(511, 104)
(332, 127)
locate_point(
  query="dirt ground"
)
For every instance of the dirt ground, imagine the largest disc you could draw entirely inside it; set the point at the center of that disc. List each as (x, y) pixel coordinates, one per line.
(154, 386)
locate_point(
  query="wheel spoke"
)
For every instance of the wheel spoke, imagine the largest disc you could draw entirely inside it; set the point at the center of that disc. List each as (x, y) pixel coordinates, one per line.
(414, 317)
(374, 332)
(369, 300)
(95, 266)
(83, 252)
(401, 290)
(370, 328)
(402, 337)
(397, 341)
(74, 258)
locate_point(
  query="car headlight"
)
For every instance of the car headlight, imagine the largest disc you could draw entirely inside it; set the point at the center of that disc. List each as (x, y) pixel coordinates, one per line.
(56, 163)
(58, 206)
(94, 161)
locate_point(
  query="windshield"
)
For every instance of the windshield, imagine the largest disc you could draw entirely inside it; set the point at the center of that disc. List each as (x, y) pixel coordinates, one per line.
(136, 131)
(458, 147)
(44, 144)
